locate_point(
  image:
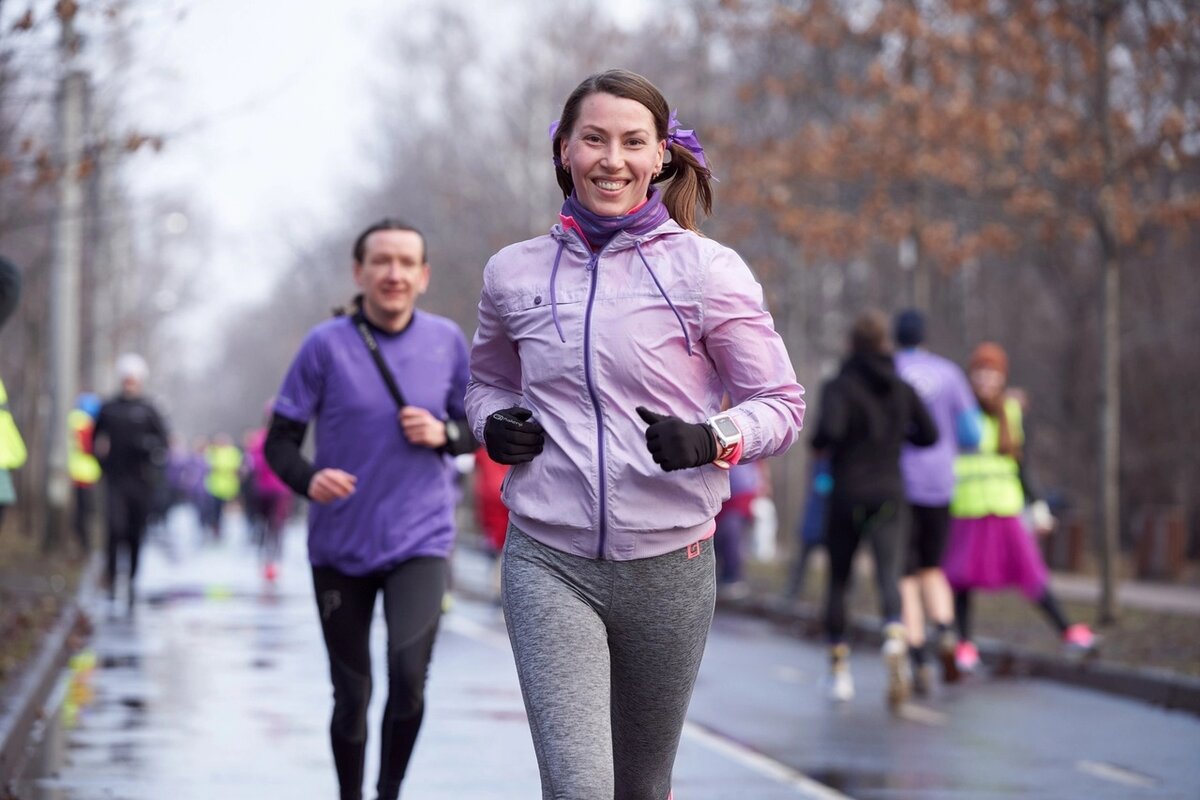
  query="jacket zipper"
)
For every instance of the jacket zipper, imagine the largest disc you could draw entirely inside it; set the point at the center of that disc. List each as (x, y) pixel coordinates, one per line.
(593, 266)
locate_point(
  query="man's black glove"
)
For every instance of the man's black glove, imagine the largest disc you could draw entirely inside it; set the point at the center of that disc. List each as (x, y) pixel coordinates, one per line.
(675, 444)
(512, 437)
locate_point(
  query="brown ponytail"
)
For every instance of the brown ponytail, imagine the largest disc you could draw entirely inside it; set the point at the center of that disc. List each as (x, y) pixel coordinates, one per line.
(689, 186)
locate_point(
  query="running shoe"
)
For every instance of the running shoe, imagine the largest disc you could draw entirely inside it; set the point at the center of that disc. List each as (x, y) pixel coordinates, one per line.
(270, 572)
(1079, 638)
(947, 645)
(895, 661)
(966, 657)
(839, 683)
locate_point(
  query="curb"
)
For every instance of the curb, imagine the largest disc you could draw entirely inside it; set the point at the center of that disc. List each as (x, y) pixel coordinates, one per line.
(37, 680)
(1157, 687)
(1153, 686)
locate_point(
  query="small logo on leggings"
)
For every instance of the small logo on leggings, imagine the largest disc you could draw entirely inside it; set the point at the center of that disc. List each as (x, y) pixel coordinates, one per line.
(693, 550)
(331, 600)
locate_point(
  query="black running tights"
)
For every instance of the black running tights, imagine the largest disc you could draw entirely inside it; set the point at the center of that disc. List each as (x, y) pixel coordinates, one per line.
(884, 527)
(412, 605)
(1047, 604)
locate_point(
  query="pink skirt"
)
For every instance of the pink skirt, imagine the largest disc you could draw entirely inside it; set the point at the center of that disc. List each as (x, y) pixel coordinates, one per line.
(993, 553)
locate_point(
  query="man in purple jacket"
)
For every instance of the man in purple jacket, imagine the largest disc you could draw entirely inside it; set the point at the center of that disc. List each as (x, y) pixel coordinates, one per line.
(929, 484)
(382, 516)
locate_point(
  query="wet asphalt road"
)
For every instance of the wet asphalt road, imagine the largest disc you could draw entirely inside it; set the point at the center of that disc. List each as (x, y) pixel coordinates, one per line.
(216, 687)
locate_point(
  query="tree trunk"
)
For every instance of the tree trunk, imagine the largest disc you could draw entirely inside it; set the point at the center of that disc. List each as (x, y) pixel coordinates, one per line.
(1110, 440)
(64, 289)
(1110, 393)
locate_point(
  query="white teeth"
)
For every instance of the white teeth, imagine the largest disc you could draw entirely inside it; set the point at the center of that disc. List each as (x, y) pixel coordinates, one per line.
(611, 186)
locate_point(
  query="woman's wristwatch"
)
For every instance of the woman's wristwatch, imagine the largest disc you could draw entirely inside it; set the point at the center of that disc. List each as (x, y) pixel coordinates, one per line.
(729, 440)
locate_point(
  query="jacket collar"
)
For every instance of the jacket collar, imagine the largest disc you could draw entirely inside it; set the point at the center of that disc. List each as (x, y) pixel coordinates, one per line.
(624, 240)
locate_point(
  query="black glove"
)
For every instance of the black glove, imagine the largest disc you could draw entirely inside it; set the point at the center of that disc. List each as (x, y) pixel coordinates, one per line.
(512, 437)
(676, 444)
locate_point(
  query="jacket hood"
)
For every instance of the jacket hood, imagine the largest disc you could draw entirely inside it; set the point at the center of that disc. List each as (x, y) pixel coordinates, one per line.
(876, 371)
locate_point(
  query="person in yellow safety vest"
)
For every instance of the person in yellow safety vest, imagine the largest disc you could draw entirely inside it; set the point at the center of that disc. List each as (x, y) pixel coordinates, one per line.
(990, 546)
(12, 446)
(83, 466)
(12, 452)
(223, 481)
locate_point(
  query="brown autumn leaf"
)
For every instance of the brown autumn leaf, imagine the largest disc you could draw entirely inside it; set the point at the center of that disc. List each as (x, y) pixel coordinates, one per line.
(24, 22)
(1174, 125)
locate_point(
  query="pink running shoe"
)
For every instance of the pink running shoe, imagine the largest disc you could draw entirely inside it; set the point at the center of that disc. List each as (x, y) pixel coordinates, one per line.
(966, 656)
(1079, 637)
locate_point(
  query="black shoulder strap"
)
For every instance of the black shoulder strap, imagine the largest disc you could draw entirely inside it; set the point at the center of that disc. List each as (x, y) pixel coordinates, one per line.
(364, 330)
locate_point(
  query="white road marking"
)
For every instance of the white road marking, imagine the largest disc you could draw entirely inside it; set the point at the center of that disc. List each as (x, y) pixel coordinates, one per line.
(1111, 772)
(763, 765)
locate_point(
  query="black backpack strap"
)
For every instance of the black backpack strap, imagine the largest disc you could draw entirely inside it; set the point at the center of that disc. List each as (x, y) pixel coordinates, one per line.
(364, 330)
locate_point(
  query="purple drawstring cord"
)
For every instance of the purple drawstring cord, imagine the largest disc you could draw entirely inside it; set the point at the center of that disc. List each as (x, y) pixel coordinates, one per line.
(687, 340)
(553, 297)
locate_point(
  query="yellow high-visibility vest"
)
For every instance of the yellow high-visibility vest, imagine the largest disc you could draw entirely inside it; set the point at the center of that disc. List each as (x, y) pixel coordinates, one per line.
(82, 466)
(224, 461)
(12, 446)
(987, 483)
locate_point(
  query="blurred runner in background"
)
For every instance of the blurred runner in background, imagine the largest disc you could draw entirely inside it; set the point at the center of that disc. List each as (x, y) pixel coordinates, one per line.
(83, 466)
(131, 442)
(991, 548)
(384, 387)
(928, 485)
(867, 412)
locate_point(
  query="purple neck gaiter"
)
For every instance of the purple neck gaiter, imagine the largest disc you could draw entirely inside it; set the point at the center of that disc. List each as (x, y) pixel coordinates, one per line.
(599, 230)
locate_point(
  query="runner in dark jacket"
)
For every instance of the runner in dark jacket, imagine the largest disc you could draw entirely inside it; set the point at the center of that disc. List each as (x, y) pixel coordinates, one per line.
(867, 414)
(131, 442)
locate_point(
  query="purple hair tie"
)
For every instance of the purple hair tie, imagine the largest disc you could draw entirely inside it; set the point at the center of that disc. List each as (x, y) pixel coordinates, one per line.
(686, 138)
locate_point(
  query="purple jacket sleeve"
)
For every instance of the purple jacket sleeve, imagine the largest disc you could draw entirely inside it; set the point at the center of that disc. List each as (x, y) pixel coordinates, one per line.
(495, 365)
(766, 402)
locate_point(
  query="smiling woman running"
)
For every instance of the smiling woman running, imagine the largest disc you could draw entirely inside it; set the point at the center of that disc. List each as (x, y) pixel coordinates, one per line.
(598, 368)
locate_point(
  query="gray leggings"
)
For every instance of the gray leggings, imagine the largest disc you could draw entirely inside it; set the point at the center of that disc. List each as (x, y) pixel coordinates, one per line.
(607, 653)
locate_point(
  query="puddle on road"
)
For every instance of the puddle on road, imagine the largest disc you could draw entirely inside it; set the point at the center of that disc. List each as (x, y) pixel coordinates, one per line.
(213, 593)
(120, 661)
(855, 782)
(55, 743)
(851, 781)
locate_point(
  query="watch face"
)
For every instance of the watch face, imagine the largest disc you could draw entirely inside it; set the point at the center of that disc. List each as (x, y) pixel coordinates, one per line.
(726, 427)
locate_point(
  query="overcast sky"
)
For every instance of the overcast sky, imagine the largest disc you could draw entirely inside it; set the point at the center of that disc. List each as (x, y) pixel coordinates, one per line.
(274, 104)
(275, 99)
